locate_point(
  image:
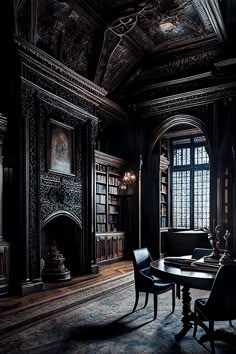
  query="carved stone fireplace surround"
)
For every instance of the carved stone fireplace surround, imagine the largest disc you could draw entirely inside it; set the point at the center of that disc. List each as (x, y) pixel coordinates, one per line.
(50, 91)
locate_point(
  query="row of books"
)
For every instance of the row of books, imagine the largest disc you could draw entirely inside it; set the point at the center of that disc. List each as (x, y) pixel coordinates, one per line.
(114, 181)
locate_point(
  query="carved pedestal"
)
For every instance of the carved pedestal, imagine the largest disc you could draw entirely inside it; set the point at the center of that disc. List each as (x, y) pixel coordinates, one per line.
(54, 269)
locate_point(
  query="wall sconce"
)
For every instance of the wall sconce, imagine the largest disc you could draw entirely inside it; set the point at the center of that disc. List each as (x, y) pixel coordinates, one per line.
(128, 178)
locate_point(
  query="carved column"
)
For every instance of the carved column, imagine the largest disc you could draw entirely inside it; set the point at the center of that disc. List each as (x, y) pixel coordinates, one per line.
(4, 246)
(90, 190)
(29, 245)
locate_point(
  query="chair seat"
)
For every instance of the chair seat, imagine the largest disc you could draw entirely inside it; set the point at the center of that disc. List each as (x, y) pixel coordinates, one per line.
(157, 282)
(162, 285)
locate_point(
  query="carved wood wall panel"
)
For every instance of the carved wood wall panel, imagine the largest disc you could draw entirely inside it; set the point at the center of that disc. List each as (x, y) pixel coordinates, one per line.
(30, 181)
(47, 192)
(60, 191)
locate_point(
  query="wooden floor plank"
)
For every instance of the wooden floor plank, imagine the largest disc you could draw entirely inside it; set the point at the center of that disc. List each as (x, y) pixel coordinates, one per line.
(106, 272)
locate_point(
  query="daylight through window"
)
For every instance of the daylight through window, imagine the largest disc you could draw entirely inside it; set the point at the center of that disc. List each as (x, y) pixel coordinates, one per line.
(190, 182)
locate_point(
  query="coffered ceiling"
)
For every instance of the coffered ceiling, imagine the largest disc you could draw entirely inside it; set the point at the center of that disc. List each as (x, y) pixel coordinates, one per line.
(119, 44)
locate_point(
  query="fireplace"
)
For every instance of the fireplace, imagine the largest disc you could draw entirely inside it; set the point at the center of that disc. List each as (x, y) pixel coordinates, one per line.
(63, 230)
(55, 183)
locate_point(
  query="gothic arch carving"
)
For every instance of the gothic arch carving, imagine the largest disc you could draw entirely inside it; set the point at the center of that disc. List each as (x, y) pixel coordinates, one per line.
(176, 120)
(61, 213)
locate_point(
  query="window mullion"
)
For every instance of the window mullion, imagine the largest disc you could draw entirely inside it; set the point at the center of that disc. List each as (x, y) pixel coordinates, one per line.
(192, 186)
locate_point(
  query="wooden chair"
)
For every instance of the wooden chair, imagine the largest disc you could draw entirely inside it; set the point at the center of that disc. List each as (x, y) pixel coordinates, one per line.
(147, 283)
(220, 305)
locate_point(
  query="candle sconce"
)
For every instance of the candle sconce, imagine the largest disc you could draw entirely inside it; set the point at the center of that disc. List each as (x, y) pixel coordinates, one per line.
(127, 179)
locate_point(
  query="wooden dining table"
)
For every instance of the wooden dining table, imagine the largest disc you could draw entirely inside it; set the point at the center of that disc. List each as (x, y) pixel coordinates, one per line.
(188, 279)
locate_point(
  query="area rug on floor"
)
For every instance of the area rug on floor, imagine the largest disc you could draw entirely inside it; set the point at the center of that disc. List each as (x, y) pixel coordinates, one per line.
(13, 320)
(107, 325)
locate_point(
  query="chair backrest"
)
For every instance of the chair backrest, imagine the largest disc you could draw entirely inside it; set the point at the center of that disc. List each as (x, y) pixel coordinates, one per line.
(201, 252)
(221, 304)
(142, 270)
(142, 258)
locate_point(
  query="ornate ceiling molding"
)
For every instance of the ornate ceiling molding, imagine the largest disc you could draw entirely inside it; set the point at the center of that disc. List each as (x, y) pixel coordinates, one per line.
(184, 100)
(60, 103)
(165, 84)
(52, 66)
(210, 13)
(35, 59)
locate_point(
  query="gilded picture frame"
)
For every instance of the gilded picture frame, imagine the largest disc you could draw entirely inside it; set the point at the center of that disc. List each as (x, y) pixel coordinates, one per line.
(60, 148)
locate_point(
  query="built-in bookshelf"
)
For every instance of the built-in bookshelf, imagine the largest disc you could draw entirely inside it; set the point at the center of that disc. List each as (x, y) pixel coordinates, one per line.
(164, 163)
(110, 236)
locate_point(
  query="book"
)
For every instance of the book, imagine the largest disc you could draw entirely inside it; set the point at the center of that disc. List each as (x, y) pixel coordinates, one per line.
(199, 268)
(201, 262)
(178, 261)
(210, 259)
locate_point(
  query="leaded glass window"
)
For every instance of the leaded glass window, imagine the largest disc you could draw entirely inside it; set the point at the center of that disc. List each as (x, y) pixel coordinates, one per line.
(190, 187)
(181, 198)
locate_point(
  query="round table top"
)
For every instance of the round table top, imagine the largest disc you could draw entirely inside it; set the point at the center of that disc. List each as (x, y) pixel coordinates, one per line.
(188, 278)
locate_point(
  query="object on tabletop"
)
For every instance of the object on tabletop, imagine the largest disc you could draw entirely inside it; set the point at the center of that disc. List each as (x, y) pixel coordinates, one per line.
(192, 264)
(215, 244)
(178, 261)
(205, 266)
(226, 257)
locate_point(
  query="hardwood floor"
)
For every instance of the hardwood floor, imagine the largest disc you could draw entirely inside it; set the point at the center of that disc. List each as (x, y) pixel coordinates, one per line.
(54, 290)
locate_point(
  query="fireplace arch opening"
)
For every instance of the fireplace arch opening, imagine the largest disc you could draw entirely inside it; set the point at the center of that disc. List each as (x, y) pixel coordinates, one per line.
(63, 230)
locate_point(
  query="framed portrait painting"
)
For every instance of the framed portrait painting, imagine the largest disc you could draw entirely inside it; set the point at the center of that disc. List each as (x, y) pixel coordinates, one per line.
(60, 148)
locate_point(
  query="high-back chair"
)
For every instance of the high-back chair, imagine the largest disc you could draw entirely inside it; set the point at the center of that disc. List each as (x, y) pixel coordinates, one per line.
(220, 305)
(201, 252)
(147, 283)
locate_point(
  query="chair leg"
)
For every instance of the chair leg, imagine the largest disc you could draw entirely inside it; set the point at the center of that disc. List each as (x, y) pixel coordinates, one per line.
(173, 299)
(146, 300)
(178, 291)
(195, 325)
(211, 334)
(136, 300)
(230, 323)
(155, 301)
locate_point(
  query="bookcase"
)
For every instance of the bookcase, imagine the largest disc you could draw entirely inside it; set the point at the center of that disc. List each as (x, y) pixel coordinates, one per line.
(110, 235)
(164, 210)
(164, 163)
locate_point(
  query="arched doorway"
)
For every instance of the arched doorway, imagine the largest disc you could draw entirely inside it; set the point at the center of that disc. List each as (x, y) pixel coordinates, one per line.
(184, 190)
(151, 197)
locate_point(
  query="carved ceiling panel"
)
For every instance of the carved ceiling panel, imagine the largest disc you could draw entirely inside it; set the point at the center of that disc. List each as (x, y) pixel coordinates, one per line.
(113, 42)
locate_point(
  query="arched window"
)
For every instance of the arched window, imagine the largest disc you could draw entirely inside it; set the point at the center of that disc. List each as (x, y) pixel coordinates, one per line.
(190, 182)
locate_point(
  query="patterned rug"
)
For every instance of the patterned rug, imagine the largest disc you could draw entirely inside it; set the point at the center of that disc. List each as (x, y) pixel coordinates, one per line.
(100, 320)
(20, 318)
